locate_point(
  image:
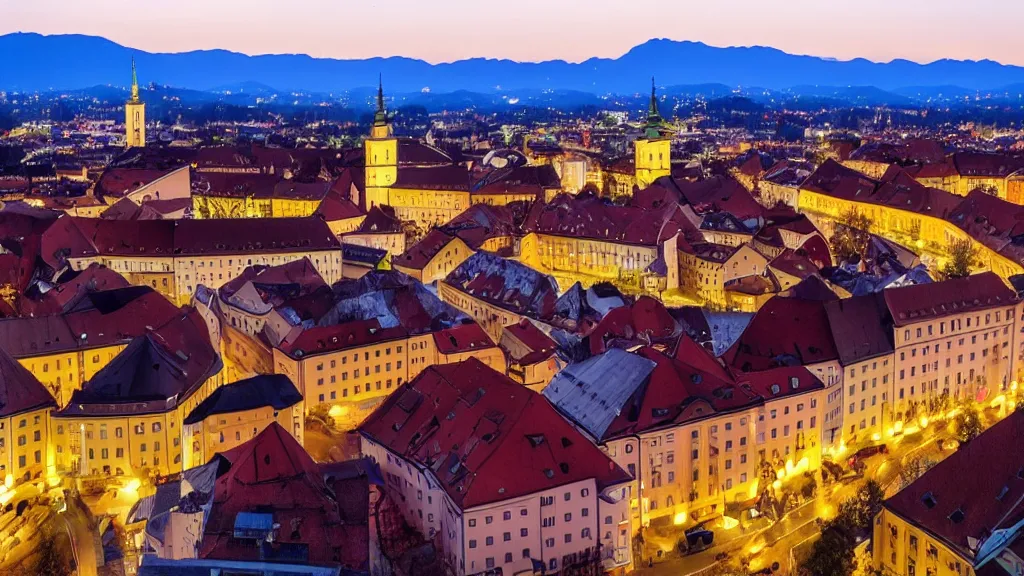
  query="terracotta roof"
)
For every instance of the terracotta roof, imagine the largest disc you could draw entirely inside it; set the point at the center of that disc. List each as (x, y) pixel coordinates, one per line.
(924, 302)
(646, 321)
(484, 437)
(415, 153)
(975, 491)
(861, 327)
(198, 237)
(586, 216)
(266, 390)
(462, 338)
(446, 177)
(20, 391)
(422, 252)
(785, 331)
(351, 334)
(996, 223)
(716, 194)
(234, 185)
(532, 338)
(481, 222)
(153, 373)
(380, 220)
(119, 182)
(101, 318)
(272, 474)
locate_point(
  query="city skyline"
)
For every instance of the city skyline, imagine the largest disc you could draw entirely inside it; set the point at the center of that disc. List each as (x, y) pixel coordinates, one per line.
(571, 30)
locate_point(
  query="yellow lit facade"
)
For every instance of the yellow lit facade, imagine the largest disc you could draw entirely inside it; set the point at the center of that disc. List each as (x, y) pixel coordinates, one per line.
(24, 448)
(932, 234)
(222, 432)
(902, 548)
(64, 372)
(653, 160)
(491, 318)
(358, 379)
(586, 256)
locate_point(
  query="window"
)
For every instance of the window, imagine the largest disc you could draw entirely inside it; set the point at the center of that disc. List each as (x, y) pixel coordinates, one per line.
(489, 541)
(472, 543)
(506, 515)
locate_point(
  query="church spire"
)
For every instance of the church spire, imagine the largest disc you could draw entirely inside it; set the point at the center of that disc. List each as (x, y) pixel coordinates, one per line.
(654, 126)
(135, 83)
(380, 118)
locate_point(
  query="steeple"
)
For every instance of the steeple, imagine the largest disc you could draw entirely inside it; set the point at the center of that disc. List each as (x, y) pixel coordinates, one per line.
(135, 83)
(655, 125)
(380, 118)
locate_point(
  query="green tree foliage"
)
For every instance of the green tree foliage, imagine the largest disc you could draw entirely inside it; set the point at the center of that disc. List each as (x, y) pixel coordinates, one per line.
(852, 235)
(962, 254)
(967, 423)
(833, 553)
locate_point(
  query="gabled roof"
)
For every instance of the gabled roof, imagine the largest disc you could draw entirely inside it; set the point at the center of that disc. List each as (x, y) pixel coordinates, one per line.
(785, 331)
(861, 327)
(462, 338)
(975, 491)
(417, 256)
(153, 373)
(266, 390)
(272, 474)
(924, 302)
(20, 391)
(380, 220)
(644, 322)
(587, 216)
(485, 438)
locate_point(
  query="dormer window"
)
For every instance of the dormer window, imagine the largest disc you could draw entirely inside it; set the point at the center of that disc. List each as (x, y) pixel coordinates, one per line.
(928, 500)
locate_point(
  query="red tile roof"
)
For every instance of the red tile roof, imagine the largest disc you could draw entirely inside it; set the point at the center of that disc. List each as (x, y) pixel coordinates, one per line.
(20, 391)
(484, 437)
(925, 302)
(233, 185)
(462, 338)
(272, 474)
(586, 216)
(983, 480)
(119, 182)
(784, 331)
(532, 338)
(380, 220)
(646, 321)
(351, 334)
(200, 237)
(422, 252)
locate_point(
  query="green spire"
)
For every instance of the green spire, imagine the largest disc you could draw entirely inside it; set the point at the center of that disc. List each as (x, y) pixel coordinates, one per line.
(380, 118)
(655, 125)
(135, 83)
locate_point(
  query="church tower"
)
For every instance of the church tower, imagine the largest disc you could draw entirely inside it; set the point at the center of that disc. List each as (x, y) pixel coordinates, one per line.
(135, 116)
(654, 151)
(381, 156)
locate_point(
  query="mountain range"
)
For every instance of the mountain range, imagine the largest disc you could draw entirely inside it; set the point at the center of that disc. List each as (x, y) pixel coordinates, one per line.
(34, 62)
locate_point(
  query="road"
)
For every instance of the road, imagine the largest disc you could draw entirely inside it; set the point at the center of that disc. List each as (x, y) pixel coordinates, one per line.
(799, 527)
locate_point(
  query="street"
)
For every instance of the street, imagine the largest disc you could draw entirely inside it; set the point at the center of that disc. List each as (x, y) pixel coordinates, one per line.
(799, 527)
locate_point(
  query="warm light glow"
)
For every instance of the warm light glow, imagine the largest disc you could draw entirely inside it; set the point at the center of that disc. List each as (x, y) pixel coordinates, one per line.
(679, 518)
(1013, 385)
(890, 432)
(876, 436)
(337, 411)
(755, 548)
(777, 484)
(780, 474)
(752, 492)
(9, 481)
(919, 244)
(728, 523)
(898, 426)
(924, 421)
(132, 487)
(998, 401)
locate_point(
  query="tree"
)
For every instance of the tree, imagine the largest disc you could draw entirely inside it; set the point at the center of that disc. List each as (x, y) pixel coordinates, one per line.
(914, 469)
(852, 235)
(962, 254)
(320, 414)
(967, 423)
(832, 554)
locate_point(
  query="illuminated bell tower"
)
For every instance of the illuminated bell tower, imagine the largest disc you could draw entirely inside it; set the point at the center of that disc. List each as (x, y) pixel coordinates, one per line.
(381, 156)
(653, 151)
(134, 116)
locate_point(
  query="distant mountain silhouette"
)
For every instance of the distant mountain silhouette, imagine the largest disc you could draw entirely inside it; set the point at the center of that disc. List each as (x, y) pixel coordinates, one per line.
(33, 62)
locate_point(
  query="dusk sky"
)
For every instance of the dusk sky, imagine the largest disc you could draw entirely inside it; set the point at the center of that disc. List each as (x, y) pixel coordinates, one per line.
(445, 30)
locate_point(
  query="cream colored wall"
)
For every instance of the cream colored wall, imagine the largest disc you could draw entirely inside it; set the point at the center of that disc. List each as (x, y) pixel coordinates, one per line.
(222, 432)
(868, 400)
(896, 544)
(492, 318)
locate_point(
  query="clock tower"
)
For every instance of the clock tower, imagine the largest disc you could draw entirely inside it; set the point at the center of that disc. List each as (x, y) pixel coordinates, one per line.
(653, 152)
(134, 116)
(381, 156)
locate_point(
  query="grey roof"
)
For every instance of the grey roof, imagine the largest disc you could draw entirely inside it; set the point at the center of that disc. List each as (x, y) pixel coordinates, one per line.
(273, 390)
(592, 392)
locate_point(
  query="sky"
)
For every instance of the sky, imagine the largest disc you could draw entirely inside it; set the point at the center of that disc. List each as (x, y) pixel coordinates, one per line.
(533, 30)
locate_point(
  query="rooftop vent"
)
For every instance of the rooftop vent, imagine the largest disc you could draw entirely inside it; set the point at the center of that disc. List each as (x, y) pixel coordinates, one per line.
(957, 516)
(928, 500)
